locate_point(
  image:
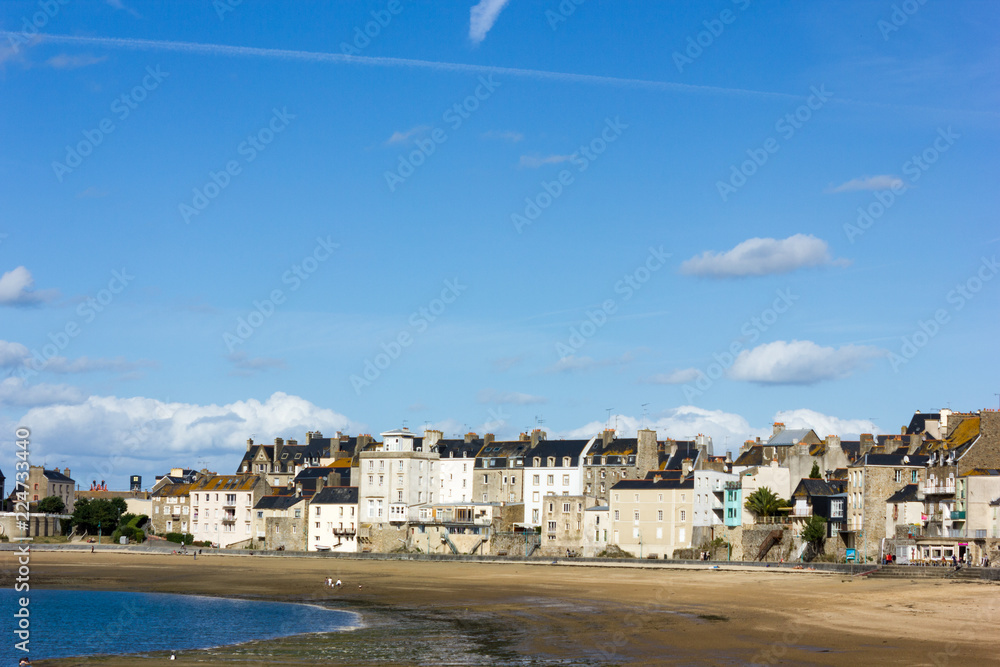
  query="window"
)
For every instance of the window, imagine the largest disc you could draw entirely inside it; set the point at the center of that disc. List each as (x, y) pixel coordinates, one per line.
(897, 476)
(636, 497)
(298, 514)
(381, 480)
(550, 480)
(486, 479)
(659, 497)
(617, 498)
(617, 518)
(534, 497)
(534, 516)
(260, 514)
(534, 480)
(550, 507)
(684, 515)
(565, 480)
(371, 464)
(565, 507)
(381, 465)
(659, 515)
(913, 477)
(371, 479)
(635, 516)
(659, 533)
(552, 526)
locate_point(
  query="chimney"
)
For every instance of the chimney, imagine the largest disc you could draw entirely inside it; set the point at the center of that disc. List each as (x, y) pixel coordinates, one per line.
(363, 441)
(778, 428)
(279, 445)
(608, 436)
(309, 437)
(537, 435)
(704, 444)
(523, 437)
(867, 442)
(292, 443)
(470, 436)
(686, 467)
(320, 483)
(57, 470)
(249, 443)
(298, 489)
(646, 458)
(488, 438)
(66, 472)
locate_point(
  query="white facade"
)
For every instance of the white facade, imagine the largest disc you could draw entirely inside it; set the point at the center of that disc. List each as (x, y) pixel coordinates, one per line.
(222, 517)
(596, 530)
(709, 497)
(456, 475)
(773, 476)
(333, 527)
(397, 479)
(551, 476)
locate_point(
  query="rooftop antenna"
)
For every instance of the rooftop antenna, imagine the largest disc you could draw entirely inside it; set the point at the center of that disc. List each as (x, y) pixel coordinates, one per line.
(404, 423)
(608, 425)
(539, 421)
(644, 405)
(871, 420)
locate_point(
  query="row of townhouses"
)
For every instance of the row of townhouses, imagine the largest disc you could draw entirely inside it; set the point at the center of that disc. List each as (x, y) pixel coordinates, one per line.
(929, 493)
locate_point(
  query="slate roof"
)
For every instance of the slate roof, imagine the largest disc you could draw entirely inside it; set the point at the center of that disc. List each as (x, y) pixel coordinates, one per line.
(810, 488)
(557, 449)
(669, 482)
(790, 436)
(907, 494)
(686, 449)
(892, 460)
(314, 472)
(226, 483)
(751, 457)
(458, 449)
(172, 490)
(54, 476)
(282, 502)
(918, 423)
(336, 495)
(616, 447)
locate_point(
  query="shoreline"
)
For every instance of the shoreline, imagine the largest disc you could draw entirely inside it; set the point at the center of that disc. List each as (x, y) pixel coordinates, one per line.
(506, 613)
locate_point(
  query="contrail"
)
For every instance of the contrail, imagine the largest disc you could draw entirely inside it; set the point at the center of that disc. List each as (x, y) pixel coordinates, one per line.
(379, 61)
(515, 72)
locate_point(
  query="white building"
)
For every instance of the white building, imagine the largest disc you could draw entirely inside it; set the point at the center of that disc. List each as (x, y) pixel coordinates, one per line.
(709, 497)
(222, 508)
(596, 530)
(457, 467)
(333, 520)
(552, 468)
(397, 478)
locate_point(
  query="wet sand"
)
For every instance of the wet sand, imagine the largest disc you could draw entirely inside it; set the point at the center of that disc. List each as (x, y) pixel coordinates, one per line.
(540, 614)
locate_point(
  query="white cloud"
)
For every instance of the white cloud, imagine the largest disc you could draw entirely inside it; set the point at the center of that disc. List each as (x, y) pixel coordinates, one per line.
(14, 392)
(881, 182)
(16, 289)
(761, 257)
(679, 376)
(66, 61)
(482, 17)
(13, 354)
(681, 423)
(119, 5)
(536, 161)
(799, 362)
(507, 135)
(100, 432)
(403, 137)
(824, 425)
(509, 398)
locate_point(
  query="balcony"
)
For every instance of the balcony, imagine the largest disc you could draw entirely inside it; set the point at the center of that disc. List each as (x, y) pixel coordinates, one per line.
(345, 531)
(229, 518)
(801, 512)
(935, 490)
(958, 515)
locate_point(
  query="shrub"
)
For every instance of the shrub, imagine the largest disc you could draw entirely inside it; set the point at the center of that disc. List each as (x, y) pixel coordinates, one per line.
(139, 535)
(615, 551)
(52, 505)
(186, 538)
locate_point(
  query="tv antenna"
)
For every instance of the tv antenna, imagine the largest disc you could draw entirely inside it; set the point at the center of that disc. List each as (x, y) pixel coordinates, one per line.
(608, 425)
(644, 406)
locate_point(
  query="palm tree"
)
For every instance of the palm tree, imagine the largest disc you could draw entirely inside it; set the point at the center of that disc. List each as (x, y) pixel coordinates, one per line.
(764, 502)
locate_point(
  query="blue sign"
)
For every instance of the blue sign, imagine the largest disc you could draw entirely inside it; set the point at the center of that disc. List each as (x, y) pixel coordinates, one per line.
(852, 554)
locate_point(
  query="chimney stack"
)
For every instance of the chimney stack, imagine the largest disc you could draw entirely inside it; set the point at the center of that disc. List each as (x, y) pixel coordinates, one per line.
(537, 435)
(608, 436)
(249, 443)
(488, 438)
(66, 472)
(320, 483)
(279, 445)
(867, 442)
(470, 436)
(778, 428)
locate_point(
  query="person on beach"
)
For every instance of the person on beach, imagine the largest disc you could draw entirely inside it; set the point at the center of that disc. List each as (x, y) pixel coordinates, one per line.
(338, 584)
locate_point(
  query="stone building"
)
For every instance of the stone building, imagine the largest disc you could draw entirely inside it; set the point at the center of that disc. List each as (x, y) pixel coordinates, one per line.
(871, 481)
(44, 483)
(499, 470)
(171, 509)
(280, 462)
(611, 459)
(563, 526)
(279, 522)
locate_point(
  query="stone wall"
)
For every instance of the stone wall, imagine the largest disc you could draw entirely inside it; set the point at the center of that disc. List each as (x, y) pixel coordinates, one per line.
(287, 532)
(512, 544)
(381, 537)
(754, 536)
(986, 452)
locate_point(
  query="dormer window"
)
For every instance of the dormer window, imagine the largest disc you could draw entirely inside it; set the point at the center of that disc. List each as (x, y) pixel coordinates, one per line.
(536, 462)
(551, 462)
(565, 462)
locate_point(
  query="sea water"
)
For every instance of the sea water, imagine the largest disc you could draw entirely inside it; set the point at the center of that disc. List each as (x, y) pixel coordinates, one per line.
(77, 623)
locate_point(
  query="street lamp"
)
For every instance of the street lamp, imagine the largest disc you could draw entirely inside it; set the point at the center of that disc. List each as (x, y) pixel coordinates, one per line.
(98, 532)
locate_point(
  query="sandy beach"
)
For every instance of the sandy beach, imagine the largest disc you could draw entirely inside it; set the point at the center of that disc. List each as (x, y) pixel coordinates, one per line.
(517, 613)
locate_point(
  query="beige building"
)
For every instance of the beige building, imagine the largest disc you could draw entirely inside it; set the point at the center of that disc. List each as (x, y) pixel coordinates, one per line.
(596, 530)
(222, 508)
(611, 459)
(397, 477)
(652, 516)
(279, 522)
(44, 483)
(563, 525)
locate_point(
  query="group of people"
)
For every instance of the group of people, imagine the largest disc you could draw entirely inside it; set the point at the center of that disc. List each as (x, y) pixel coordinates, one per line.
(333, 584)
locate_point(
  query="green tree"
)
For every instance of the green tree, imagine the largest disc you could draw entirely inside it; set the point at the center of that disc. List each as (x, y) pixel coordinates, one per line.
(814, 531)
(51, 505)
(814, 473)
(764, 502)
(89, 514)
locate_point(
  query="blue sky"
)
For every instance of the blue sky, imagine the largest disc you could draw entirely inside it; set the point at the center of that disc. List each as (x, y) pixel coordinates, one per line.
(702, 217)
